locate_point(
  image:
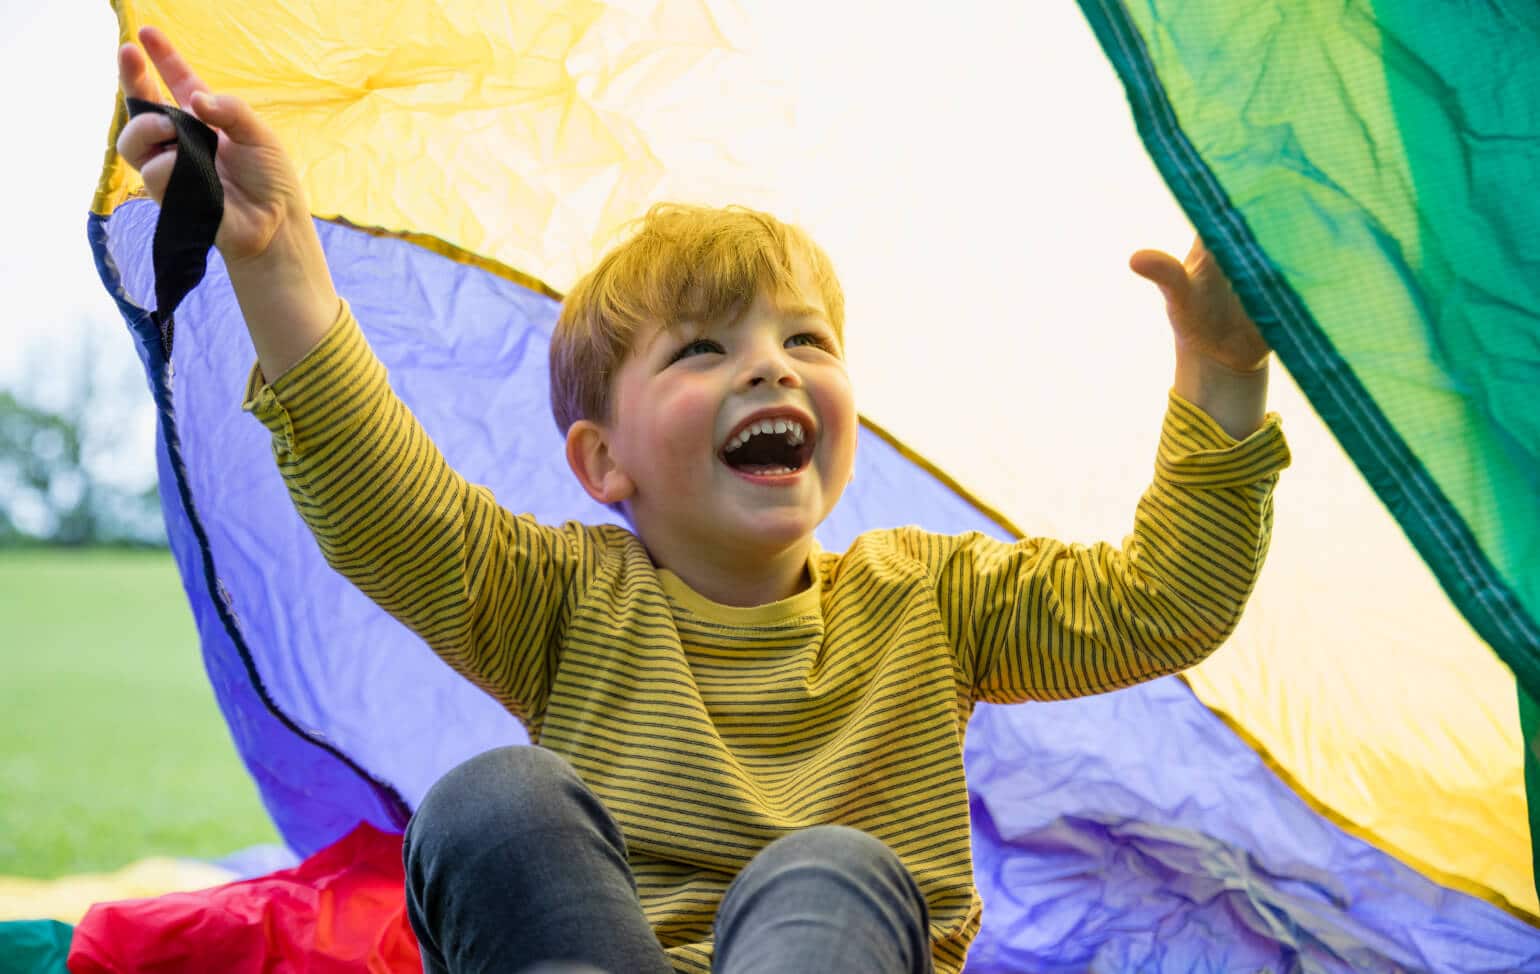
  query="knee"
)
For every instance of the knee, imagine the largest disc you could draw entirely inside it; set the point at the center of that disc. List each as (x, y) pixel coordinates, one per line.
(505, 792)
(828, 874)
(827, 857)
(832, 846)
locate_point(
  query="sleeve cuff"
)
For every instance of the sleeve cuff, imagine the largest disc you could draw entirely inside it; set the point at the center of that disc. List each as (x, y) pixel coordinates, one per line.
(1195, 450)
(331, 386)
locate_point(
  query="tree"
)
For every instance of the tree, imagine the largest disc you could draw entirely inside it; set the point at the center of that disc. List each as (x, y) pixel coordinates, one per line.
(73, 471)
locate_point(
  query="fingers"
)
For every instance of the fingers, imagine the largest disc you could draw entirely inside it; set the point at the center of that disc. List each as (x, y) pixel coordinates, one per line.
(234, 117)
(1165, 271)
(138, 81)
(188, 91)
(148, 143)
(173, 70)
(134, 76)
(157, 175)
(145, 137)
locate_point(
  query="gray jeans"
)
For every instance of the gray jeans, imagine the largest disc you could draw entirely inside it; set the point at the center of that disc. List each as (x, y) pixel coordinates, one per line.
(513, 864)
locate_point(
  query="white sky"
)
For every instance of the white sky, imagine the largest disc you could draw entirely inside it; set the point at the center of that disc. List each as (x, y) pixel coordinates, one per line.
(57, 318)
(58, 57)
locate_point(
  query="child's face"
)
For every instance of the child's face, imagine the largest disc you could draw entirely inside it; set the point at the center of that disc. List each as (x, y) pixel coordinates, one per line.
(683, 402)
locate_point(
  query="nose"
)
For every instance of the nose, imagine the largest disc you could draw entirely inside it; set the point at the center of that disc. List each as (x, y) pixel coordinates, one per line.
(769, 365)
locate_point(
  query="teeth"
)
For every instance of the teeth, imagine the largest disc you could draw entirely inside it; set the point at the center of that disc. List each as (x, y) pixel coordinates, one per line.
(789, 428)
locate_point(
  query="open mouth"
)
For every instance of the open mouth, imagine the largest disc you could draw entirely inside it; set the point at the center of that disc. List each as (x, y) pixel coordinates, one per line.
(771, 446)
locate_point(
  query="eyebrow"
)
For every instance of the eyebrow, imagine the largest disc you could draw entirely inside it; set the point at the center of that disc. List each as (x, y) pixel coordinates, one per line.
(802, 311)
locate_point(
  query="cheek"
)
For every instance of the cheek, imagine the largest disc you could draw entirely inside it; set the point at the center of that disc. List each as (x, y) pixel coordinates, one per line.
(684, 425)
(836, 408)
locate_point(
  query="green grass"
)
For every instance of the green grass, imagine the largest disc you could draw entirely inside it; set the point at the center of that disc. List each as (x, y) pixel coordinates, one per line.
(111, 745)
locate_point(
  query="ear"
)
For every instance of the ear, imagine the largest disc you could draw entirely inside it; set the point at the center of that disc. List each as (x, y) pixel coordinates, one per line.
(589, 456)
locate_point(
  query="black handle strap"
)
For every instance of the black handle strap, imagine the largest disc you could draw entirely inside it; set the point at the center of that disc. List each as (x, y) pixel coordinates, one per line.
(189, 215)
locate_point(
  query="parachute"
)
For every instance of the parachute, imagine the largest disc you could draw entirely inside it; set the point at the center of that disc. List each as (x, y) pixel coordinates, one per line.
(1345, 786)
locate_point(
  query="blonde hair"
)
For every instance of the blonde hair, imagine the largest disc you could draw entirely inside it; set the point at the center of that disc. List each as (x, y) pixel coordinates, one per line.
(683, 263)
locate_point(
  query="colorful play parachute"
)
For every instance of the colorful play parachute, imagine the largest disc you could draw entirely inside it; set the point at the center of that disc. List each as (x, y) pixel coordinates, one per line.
(1342, 787)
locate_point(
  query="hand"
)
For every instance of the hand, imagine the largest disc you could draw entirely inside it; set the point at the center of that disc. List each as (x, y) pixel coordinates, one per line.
(1205, 313)
(263, 197)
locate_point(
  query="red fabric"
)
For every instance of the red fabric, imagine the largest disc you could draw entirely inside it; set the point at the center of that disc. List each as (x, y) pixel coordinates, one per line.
(341, 910)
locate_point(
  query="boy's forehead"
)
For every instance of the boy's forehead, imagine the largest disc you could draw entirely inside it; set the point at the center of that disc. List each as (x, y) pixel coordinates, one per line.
(798, 305)
(799, 297)
(786, 302)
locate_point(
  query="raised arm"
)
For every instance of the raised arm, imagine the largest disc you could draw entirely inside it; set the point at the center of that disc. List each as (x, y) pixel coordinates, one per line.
(1042, 619)
(485, 589)
(1221, 357)
(1045, 620)
(266, 236)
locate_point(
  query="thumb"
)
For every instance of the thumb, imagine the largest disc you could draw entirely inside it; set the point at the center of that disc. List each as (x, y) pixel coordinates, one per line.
(232, 116)
(1164, 271)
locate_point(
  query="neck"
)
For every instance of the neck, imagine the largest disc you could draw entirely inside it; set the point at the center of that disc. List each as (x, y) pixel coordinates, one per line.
(740, 581)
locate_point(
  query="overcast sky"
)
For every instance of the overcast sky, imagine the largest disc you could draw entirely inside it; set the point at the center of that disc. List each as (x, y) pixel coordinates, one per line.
(58, 59)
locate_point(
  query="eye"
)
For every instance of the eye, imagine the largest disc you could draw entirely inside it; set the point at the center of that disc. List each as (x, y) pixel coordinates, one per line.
(701, 346)
(812, 340)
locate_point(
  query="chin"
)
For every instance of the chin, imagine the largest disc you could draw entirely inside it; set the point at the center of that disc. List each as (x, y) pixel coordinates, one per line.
(779, 530)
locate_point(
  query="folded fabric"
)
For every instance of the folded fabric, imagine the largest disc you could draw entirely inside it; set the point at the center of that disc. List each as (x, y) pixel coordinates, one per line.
(341, 910)
(34, 947)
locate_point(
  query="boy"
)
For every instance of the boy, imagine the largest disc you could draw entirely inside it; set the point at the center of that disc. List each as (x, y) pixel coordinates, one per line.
(750, 751)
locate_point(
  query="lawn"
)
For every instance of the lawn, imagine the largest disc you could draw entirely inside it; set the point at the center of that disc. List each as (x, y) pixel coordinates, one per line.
(111, 746)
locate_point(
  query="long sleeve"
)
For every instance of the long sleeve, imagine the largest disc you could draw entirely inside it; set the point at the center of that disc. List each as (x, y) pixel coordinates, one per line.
(1044, 620)
(487, 590)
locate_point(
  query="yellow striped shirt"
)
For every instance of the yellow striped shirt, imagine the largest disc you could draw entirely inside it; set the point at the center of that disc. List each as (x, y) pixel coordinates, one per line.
(709, 731)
